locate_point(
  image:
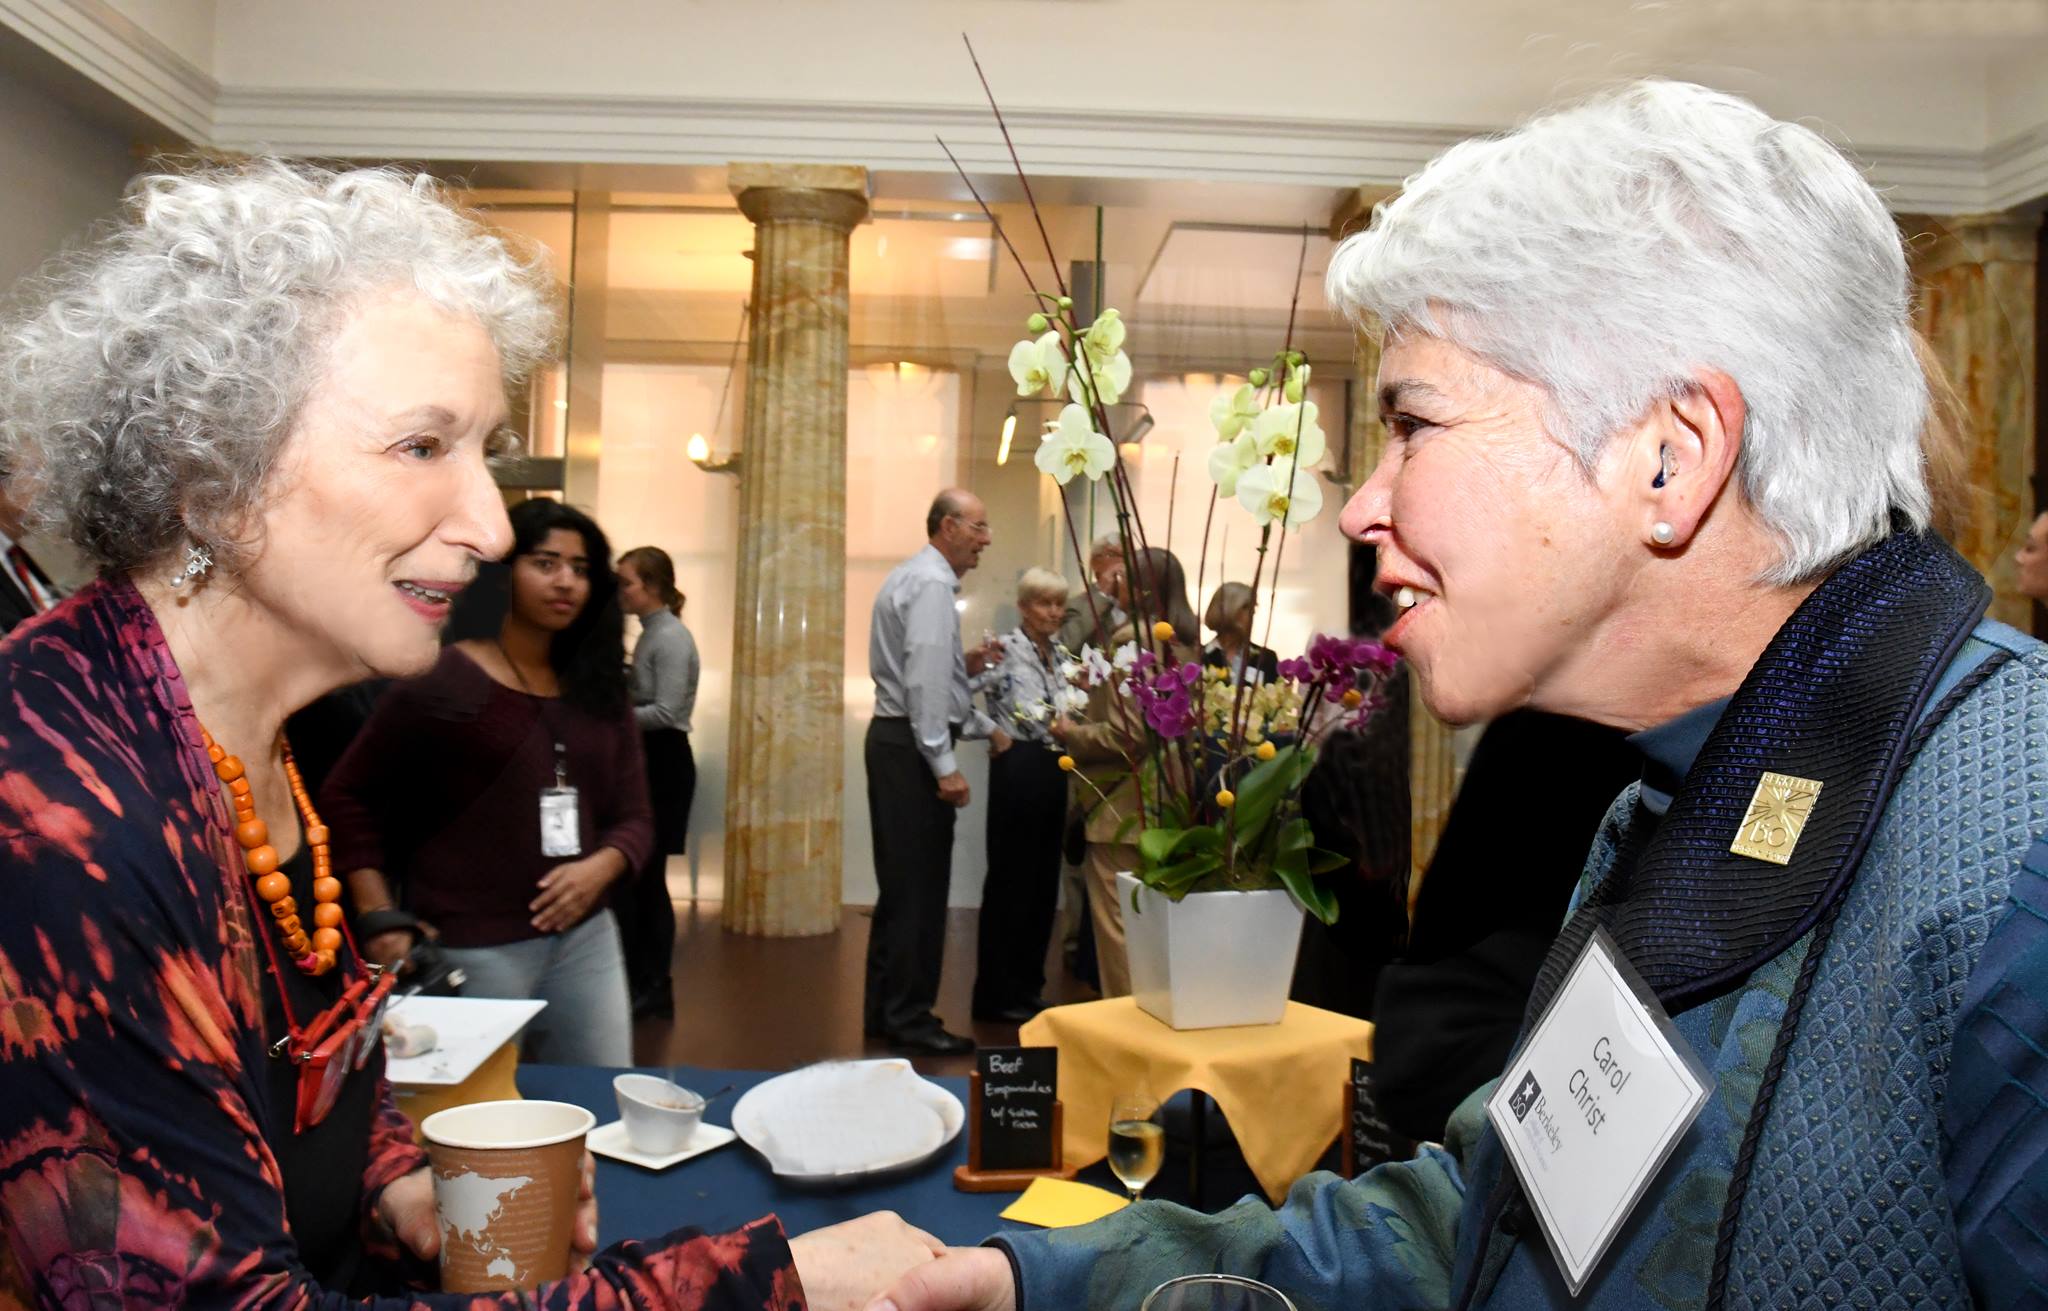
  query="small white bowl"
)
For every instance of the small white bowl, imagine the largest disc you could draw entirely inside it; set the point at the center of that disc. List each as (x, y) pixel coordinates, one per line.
(660, 1115)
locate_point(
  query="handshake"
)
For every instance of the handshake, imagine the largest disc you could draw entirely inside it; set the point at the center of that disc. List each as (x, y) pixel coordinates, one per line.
(881, 1263)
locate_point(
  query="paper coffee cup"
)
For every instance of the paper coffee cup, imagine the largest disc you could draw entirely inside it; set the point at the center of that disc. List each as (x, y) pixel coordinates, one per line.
(506, 1175)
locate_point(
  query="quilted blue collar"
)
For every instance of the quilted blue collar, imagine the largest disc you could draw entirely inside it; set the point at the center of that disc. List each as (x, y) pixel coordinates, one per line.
(1834, 698)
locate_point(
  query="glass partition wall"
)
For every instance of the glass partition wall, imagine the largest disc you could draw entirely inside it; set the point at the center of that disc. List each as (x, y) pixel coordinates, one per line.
(1206, 279)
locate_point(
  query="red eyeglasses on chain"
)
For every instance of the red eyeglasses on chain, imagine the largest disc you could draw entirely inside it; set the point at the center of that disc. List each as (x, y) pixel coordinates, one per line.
(336, 1043)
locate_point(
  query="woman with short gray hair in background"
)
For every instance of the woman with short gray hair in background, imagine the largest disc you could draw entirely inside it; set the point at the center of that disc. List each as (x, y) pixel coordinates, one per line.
(1027, 808)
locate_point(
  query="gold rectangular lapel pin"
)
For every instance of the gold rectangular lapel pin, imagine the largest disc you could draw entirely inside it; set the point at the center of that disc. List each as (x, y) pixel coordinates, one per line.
(1777, 815)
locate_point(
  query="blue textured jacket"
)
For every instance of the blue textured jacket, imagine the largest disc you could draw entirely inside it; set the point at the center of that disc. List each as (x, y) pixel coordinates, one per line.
(1888, 1147)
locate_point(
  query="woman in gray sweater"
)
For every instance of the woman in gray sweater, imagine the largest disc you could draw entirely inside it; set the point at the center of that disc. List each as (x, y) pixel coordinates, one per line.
(665, 672)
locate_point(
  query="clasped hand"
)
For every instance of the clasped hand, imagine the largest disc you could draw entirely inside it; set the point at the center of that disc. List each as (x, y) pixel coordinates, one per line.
(568, 892)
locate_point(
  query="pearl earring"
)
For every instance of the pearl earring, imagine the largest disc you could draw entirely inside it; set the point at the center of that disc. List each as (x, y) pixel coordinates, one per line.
(1663, 534)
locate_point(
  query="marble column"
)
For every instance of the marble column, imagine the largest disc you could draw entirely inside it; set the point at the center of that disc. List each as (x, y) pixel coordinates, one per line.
(1432, 754)
(1976, 276)
(782, 811)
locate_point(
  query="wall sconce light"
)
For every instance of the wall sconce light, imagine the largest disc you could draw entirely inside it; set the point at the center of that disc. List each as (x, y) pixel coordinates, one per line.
(1009, 431)
(700, 455)
(699, 450)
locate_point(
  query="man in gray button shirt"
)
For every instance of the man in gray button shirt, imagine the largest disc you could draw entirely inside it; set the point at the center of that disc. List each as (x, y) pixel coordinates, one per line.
(915, 788)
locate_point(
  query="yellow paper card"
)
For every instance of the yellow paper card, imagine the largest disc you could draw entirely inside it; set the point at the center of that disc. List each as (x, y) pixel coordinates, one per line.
(1058, 1203)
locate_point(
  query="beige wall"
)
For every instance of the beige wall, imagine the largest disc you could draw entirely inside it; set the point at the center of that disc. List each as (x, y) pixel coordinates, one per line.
(63, 171)
(1484, 62)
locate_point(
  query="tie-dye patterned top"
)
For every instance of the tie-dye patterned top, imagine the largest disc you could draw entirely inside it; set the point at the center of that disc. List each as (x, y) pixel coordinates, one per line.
(134, 1170)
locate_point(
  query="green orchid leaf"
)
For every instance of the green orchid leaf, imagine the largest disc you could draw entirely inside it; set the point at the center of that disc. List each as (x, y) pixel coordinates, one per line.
(1262, 790)
(1155, 845)
(1292, 865)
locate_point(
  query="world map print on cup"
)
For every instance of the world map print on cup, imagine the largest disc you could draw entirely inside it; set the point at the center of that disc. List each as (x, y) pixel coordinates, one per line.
(506, 1175)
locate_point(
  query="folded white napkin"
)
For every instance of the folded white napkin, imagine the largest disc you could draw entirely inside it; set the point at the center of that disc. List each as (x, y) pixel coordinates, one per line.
(845, 1117)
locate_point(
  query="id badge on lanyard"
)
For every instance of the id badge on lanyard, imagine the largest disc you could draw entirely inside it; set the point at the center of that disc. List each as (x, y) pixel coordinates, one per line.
(561, 822)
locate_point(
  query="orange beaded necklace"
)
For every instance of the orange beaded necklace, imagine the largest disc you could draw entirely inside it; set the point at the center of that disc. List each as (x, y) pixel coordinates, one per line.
(313, 953)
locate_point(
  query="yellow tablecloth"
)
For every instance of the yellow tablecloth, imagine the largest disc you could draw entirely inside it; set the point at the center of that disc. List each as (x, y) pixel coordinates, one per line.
(1280, 1085)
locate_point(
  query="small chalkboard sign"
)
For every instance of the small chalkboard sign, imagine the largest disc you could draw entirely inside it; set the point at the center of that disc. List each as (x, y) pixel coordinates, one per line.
(1368, 1139)
(1013, 1119)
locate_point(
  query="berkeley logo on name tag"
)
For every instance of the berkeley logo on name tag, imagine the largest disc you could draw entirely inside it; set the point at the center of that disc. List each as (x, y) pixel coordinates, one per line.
(1593, 1104)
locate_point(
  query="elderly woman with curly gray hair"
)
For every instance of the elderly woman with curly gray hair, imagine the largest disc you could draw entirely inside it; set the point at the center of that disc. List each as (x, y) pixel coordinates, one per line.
(263, 404)
(1653, 417)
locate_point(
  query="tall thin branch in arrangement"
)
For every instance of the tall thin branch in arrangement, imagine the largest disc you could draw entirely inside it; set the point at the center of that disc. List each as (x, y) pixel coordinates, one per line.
(1293, 463)
(1058, 279)
(1123, 498)
(1293, 306)
(1120, 712)
(1173, 490)
(990, 215)
(1300, 425)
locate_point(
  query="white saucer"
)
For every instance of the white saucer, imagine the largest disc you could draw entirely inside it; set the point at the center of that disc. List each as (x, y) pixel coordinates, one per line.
(610, 1140)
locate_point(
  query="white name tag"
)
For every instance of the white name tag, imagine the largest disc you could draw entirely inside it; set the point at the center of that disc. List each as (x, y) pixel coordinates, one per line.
(561, 828)
(1591, 1107)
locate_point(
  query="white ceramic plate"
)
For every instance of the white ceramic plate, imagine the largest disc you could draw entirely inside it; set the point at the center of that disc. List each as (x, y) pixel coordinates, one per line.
(610, 1140)
(847, 1120)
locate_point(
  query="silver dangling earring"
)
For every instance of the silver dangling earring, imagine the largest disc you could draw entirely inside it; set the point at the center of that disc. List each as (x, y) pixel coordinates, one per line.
(1663, 534)
(197, 561)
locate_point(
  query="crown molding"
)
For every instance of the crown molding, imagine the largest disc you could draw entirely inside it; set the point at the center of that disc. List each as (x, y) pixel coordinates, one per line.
(2016, 170)
(882, 137)
(97, 41)
(879, 137)
(103, 45)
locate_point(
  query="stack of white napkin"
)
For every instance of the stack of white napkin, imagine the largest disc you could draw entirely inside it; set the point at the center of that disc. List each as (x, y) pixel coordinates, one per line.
(844, 1117)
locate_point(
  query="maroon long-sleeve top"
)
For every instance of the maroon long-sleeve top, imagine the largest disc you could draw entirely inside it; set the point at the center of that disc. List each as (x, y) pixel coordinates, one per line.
(442, 791)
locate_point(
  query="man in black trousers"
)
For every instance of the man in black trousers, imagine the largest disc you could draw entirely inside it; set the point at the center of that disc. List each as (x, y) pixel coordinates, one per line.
(915, 787)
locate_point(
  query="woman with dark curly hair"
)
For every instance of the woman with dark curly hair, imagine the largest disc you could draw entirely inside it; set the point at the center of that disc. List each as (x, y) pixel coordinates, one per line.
(501, 796)
(263, 407)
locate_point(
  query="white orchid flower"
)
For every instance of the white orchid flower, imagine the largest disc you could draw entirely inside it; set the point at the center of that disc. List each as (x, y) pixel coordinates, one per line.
(1106, 370)
(1111, 377)
(1229, 460)
(1073, 446)
(1290, 433)
(1039, 367)
(1126, 658)
(1095, 667)
(1230, 413)
(1270, 493)
(1105, 337)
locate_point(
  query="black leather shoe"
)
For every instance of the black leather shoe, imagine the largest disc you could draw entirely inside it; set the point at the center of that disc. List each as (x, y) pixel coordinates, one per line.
(934, 1041)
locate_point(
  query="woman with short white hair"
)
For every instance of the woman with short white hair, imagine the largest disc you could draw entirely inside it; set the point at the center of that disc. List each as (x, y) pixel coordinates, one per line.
(1653, 415)
(1027, 808)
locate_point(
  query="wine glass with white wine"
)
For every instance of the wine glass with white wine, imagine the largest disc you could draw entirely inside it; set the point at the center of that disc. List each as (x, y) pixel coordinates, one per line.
(1137, 1141)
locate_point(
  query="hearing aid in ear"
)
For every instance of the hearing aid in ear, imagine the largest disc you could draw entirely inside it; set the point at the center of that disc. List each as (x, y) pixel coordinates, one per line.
(1664, 470)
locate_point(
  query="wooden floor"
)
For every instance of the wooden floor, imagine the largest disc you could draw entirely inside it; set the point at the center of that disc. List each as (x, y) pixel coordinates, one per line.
(747, 1003)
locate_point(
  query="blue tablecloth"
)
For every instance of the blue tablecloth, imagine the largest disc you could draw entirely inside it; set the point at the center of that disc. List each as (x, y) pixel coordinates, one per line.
(732, 1185)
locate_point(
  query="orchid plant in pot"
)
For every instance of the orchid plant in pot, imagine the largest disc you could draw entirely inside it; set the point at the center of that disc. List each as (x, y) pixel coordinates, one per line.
(1215, 764)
